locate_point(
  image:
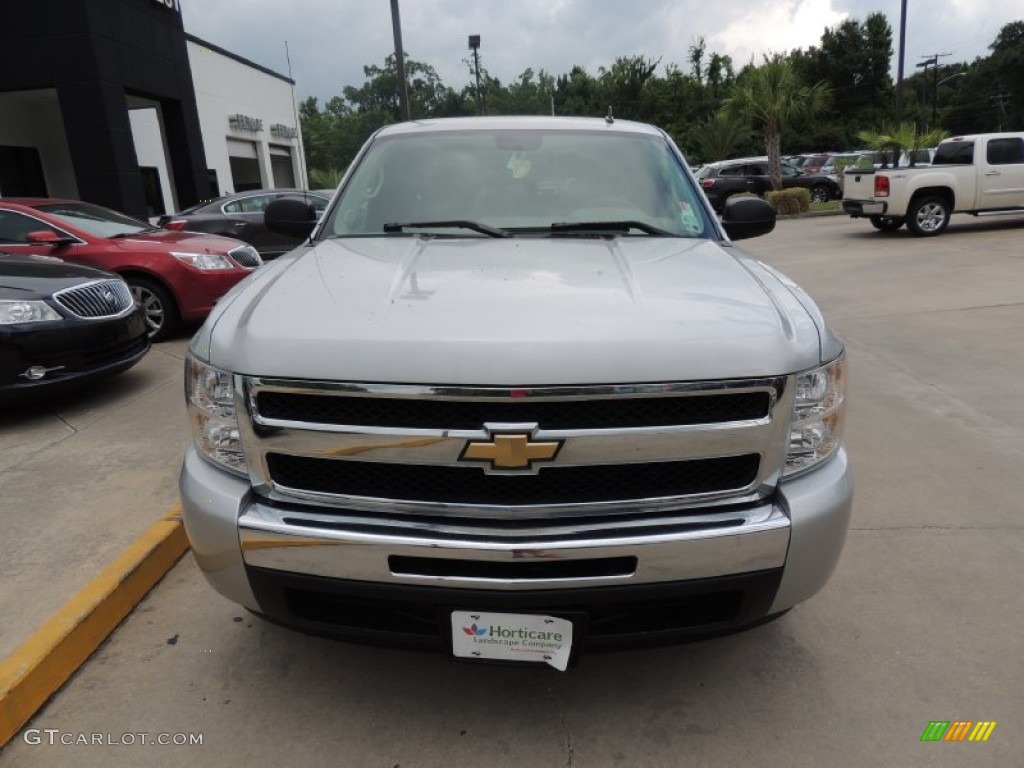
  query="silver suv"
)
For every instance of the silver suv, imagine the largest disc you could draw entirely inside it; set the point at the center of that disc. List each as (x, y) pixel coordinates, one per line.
(517, 395)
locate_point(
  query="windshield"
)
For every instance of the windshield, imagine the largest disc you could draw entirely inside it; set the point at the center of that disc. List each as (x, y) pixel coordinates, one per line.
(521, 182)
(99, 222)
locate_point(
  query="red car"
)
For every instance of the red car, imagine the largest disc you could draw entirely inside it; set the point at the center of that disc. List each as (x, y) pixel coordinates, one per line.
(175, 276)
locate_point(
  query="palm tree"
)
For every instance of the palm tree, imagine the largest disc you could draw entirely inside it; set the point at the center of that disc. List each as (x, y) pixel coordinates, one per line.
(900, 138)
(771, 97)
(718, 137)
(324, 178)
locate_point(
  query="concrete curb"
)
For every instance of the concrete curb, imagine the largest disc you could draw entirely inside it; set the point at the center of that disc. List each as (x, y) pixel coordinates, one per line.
(812, 214)
(43, 663)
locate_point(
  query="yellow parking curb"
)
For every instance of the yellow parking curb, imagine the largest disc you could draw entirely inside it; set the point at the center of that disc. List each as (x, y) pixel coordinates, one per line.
(44, 662)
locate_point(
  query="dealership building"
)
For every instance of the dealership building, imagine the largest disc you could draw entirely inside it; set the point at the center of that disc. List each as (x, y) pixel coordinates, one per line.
(112, 102)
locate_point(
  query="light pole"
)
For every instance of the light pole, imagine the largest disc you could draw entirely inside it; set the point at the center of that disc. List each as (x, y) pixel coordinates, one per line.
(899, 76)
(474, 46)
(403, 94)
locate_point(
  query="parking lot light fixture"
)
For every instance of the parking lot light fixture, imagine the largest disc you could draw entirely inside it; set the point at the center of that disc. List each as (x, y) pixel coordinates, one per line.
(474, 46)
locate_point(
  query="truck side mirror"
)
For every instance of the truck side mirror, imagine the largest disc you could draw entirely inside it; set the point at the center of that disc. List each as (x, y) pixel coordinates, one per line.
(747, 217)
(290, 216)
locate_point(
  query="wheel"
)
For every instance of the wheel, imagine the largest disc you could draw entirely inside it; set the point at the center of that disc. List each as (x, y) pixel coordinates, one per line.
(887, 223)
(161, 311)
(820, 194)
(928, 216)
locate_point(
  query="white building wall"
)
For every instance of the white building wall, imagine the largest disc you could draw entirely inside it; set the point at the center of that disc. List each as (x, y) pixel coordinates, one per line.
(33, 119)
(226, 87)
(151, 149)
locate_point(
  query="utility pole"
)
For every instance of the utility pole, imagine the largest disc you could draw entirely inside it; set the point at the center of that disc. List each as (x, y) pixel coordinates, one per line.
(403, 93)
(1000, 99)
(933, 62)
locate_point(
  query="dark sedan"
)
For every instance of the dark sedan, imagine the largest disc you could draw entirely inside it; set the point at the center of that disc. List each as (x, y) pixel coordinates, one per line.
(62, 325)
(723, 179)
(241, 216)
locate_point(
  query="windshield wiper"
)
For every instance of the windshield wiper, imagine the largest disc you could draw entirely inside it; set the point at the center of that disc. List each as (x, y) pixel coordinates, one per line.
(136, 232)
(453, 223)
(599, 227)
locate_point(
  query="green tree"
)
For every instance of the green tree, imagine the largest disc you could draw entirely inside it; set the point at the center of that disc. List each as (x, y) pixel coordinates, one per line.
(622, 85)
(770, 98)
(1007, 62)
(853, 61)
(576, 94)
(379, 94)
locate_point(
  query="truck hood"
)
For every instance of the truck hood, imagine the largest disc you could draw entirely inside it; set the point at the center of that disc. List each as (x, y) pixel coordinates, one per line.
(523, 311)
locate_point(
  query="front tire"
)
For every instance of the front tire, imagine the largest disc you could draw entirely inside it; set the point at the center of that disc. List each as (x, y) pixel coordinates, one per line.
(887, 223)
(161, 312)
(928, 216)
(820, 194)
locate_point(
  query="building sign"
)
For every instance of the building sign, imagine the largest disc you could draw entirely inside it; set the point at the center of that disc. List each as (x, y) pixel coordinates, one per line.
(283, 131)
(245, 123)
(174, 5)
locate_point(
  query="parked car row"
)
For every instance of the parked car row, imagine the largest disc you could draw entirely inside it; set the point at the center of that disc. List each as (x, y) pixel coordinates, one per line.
(726, 178)
(830, 163)
(84, 290)
(174, 276)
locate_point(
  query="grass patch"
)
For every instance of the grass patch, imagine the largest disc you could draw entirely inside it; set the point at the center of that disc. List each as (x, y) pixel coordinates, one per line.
(828, 205)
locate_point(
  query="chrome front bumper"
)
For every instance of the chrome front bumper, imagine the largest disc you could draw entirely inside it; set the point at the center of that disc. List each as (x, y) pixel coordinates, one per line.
(801, 529)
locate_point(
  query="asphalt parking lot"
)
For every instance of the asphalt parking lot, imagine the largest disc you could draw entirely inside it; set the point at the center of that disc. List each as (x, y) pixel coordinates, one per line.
(922, 620)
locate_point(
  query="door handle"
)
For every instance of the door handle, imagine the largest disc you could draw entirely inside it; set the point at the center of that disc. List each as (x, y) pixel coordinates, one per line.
(993, 173)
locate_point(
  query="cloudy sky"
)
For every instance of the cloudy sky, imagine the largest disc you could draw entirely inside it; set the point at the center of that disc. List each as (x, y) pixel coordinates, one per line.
(331, 40)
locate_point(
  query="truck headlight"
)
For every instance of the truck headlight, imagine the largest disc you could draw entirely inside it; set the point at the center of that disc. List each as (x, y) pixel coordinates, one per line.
(210, 394)
(819, 407)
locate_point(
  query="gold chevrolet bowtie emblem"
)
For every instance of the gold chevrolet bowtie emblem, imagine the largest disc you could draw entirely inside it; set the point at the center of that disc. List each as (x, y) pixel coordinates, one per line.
(511, 451)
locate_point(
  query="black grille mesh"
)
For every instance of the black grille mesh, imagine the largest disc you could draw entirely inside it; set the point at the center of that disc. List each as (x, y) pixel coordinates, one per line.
(246, 256)
(552, 485)
(614, 413)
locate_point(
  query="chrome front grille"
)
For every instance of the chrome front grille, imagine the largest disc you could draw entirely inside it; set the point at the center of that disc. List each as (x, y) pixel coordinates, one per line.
(604, 413)
(466, 485)
(98, 299)
(246, 256)
(650, 448)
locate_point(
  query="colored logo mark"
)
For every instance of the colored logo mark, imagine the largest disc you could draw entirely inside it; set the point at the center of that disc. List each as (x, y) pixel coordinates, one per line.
(474, 631)
(958, 730)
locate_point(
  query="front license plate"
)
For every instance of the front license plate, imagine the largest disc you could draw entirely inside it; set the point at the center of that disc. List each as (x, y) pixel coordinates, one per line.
(512, 637)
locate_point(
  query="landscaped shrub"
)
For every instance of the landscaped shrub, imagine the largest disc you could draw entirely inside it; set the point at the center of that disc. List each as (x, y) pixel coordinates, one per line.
(790, 201)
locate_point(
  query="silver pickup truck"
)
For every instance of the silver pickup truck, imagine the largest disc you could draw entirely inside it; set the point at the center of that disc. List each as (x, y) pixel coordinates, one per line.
(517, 395)
(976, 174)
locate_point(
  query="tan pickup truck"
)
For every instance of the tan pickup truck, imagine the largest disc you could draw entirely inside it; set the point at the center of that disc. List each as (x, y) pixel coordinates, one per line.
(978, 174)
